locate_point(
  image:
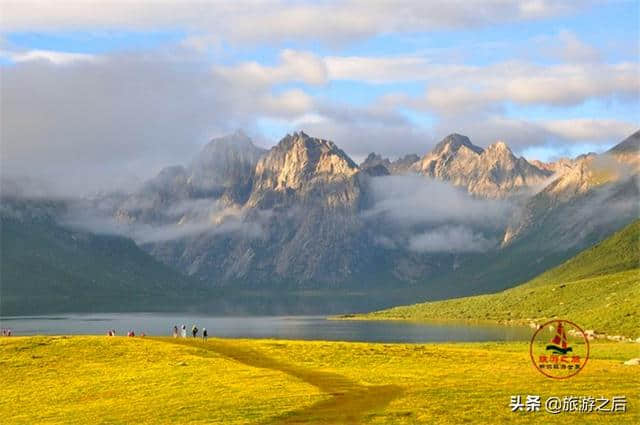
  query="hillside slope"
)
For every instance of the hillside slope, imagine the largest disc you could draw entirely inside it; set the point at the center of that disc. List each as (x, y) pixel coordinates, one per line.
(598, 289)
(47, 268)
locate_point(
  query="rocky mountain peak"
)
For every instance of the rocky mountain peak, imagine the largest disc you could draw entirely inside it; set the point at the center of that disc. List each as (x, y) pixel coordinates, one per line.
(453, 142)
(494, 173)
(224, 165)
(375, 166)
(372, 157)
(310, 156)
(499, 148)
(629, 145)
(627, 152)
(302, 163)
(236, 140)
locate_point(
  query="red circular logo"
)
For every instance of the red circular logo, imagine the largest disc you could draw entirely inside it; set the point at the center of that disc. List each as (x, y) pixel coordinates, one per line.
(559, 349)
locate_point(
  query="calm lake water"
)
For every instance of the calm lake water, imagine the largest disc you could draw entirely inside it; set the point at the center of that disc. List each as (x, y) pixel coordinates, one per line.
(283, 327)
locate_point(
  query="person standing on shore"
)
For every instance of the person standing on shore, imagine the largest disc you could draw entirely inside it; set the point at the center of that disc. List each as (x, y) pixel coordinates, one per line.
(194, 331)
(184, 331)
(204, 334)
(175, 331)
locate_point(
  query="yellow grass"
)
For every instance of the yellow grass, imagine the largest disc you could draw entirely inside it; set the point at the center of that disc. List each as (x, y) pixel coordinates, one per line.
(102, 380)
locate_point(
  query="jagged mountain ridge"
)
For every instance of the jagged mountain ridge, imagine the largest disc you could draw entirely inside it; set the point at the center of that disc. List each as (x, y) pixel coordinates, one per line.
(308, 169)
(610, 178)
(376, 166)
(306, 201)
(301, 223)
(491, 173)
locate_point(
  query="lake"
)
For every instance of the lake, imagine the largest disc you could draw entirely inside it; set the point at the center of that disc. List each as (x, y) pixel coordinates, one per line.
(281, 327)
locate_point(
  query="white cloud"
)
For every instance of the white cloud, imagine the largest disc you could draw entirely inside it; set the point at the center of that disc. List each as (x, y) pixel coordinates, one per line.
(88, 125)
(417, 200)
(379, 69)
(427, 215)
(291, 103)
(55, 57)
(515, 81)
(573, 49)
(186, 219)
(276, 20)
(590, 130)
(294, 66)
(450, 239)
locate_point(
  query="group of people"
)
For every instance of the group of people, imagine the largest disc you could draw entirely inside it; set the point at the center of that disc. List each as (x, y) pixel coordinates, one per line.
(6, 332)
(112, 332)
(182, 332)
(194, 332)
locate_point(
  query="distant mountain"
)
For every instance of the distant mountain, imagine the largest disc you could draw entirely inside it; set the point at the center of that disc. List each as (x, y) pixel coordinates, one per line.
(376, 166)
(305, 215)
(598, 192)
(630, 145)
(579, 208)
(491, 173)
(403, 165)
(598, 289)
(628, 151)
(225, 167)
(222, 172)
(300, 225)
(46, 267)
(559, 166)
(302, 218)
(303, 225)
(305, 169)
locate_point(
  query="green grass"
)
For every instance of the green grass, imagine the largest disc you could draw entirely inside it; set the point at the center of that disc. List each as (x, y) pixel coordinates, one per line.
(617, 253)
(598, 289)
(103, 380)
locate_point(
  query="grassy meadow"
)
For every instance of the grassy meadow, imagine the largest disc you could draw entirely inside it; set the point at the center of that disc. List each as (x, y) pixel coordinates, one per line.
(119, 380)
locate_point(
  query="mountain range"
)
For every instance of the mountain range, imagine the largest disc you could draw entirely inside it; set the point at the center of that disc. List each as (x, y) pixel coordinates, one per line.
(300, 214)
(459, 220)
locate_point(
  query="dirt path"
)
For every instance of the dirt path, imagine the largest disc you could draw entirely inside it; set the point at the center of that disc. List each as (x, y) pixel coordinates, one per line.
(349, 400)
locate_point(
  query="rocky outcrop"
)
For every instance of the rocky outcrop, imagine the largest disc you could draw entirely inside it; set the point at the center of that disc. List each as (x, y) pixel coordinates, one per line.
(491, 173)
(302, 226)
(557, 167)
(375, 166)
(305, 169)
(303, 208)
(403, 165)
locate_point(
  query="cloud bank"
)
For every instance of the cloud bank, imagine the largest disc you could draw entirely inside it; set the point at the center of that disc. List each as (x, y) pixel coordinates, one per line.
(278, 20)
(426, 215)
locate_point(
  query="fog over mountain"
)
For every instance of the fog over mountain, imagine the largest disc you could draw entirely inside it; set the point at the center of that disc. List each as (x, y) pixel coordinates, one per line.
(304, 214)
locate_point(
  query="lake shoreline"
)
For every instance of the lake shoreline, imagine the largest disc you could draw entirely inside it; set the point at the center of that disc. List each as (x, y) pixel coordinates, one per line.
(310, 328)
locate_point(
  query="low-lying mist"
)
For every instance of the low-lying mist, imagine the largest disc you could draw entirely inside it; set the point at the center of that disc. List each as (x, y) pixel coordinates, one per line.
(425, 215)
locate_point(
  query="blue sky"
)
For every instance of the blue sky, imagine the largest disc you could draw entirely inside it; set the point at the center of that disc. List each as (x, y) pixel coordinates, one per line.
(551, 78)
